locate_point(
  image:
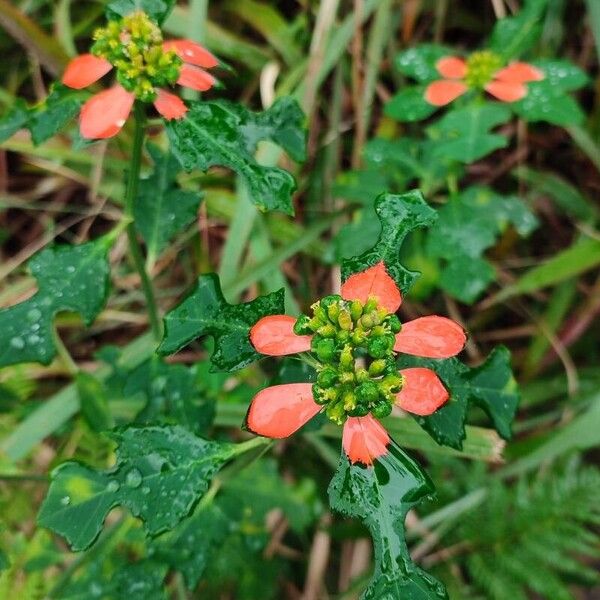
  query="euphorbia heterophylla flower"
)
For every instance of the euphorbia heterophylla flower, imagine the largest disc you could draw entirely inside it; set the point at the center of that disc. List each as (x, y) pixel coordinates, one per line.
(354, 339)
(483, 70)
(144, 66)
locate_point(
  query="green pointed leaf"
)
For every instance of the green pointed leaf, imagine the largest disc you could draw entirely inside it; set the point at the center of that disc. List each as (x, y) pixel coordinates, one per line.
(223, 133)
(409, 105)
(491, 386)
(16, 118)
(399, 215)
(419, 62)
(162, 209)
(69, 278)
(159, 10)
(206, 312)
(463, 134)
(467, 225)
(171, 393)
(381, 496)
(160, 473)
(561, 74)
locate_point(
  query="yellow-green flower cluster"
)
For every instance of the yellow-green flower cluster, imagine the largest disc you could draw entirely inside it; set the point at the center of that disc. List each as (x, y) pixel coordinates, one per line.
(134, 46)
(354, 345)
(481, 67)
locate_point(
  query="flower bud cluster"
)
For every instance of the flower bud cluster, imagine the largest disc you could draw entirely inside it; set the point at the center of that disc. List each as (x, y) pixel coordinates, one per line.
(134, 46)
(481, 67)
(354, 345)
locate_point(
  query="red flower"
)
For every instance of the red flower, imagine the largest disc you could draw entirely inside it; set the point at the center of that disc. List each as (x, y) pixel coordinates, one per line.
(280, 410)
(482, 70)
(103, 115)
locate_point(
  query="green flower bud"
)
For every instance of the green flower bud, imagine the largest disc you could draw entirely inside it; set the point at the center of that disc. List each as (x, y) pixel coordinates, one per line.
(330, 300)
(360, 410)
(381, 409)
(367, 393)
(342, 336)
(366, 321)
(356, 310)
(302, 326)
(336, 412)
(327, 377)
(320, 314)
(378, 331)
(358, 337)
(327, 331)
(371, 305)
(349, 400)
(346, 378)
(377, 367)
(345, 320)
(391, 384)
(347, 358)
(377, 347)
(394, 324)
(362, 375)
(333, 311)
(323, 348)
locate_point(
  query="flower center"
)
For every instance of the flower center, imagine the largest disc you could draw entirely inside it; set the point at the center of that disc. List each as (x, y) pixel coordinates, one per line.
(354, 346)
(134, 46)
(481, 67)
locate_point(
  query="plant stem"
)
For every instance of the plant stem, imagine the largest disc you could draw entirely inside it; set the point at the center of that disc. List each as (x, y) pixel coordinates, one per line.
(130, 196)
(65, 355)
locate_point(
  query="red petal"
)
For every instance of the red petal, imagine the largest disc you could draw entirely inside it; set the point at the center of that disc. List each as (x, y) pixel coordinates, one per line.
(440, 93)
(519, 72)
(432, 337)
(192, 53)
(195, 78)
(506, 91)
(364, 439)
(280, 410)
(374, 282)
(169, 105)
(274, 336)
(422, 391)
(451, 67)
(85, 70)
(103, 115)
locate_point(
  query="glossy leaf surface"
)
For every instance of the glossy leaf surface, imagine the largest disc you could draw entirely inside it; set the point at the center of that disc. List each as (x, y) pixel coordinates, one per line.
(160, 472)
(491, 386)
(380, 496)
(226, 134)
(399, 215)
(409, 105)
(419, 62)
(159, 10)
(206, 312)
(69, 278)
(162, 209)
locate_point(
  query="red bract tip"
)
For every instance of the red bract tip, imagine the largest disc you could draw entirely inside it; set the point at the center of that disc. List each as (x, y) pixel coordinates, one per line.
(85, 70)
(431, 337)
(440, 93)
(192, 53)
(364, 439)
(373, 282)
(169, 105)
(452, 67)
(103, 115)
(274, 336)
(422, 391)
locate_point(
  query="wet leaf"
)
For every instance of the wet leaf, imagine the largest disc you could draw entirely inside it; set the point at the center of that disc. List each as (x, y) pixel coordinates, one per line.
(464, 134)
(162, 209)
(226, 134)
(206, 312)
(467, 225)
(159, 10)
(399, 215)
(419, 62)
(16, 118)
(380, 496)
(409, 105)
(491, 386)
(160, 473)
(69, 278)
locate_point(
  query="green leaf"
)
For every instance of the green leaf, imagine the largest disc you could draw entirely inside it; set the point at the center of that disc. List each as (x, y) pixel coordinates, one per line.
(463, 134)
(468, 225)
(159, 474)
(162, 209)
(16, 118)
(93, 402)
(491, 386)
(69, 278)
(381, 496)
(419, 62)
(561, 74)
(223, 133)
(159, 10)
(4, 562)
(399, 215)
(172, 393)
(409, 105)
(206, 312)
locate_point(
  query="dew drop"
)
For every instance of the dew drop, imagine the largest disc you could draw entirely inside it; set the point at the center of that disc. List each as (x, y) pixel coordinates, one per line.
(17, 343)
(113, 486)
(35, 314)
(65, 500)
(134, 478)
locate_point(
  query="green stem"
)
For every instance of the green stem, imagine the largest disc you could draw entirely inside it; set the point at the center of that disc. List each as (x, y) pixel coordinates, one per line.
(65, 355)
(130, 196)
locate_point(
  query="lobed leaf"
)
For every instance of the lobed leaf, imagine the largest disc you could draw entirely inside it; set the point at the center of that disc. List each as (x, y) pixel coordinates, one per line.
(69, 278)
(160, 473)
(381, 496)
(409, 105)
(419, 62)
(491, 386)
(223, 133)
(399, 215)
(206, 312)
(158, 10)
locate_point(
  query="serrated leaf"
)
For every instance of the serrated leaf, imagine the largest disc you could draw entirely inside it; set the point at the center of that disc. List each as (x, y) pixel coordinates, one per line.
(171, 393)
(463, 134)
(158, 10)
(69, 278)
(409, 105)
(206, 312)
(467, 225)
(162, 209)
(381, 496)
(223, 133)
(491, 386)
(399, 215)
(419, 62)
(159, 474)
